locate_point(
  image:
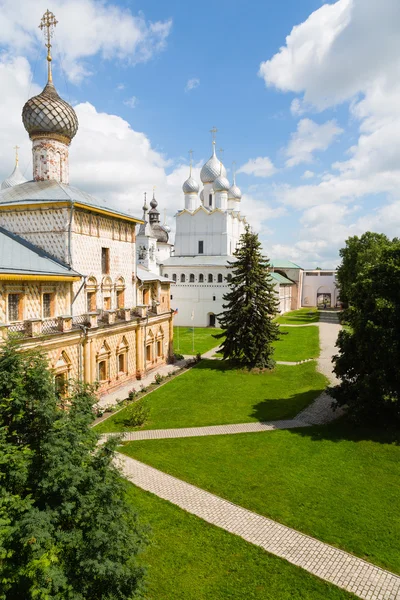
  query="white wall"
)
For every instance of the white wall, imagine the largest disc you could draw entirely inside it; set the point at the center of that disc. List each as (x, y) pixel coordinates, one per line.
(316, 282)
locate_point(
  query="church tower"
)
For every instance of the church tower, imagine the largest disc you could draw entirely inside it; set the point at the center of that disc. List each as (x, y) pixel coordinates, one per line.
(51, 123)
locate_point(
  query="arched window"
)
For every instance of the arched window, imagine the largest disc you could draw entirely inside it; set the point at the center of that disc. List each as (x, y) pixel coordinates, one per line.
(191, 278)
(120, 292)
(219, 278)
(165, 275)
(91, 294)
(210, 278)
(210, 200)
(183, 278)
(201, 278)
(174, 277)
(229, 277)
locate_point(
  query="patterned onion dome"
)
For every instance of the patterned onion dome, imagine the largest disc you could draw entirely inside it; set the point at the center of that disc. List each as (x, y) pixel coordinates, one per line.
(190, 186)
(221, 184)
(48, 114)
(160, 232)
(15, 178)
(235, 193)
(212, 169)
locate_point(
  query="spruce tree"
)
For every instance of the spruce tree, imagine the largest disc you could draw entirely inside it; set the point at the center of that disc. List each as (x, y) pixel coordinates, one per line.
(247, 321)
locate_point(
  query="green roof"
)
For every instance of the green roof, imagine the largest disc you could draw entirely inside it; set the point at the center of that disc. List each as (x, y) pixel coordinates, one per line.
(280, 278)
(278, 263)
(19, 257)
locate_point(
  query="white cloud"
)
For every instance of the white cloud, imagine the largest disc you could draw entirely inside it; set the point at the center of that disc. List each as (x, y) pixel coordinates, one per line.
(120, 86)
(308, 175)
(85, 28)
(131, 102)
(260, 167)
(192, 84)
(309, 138)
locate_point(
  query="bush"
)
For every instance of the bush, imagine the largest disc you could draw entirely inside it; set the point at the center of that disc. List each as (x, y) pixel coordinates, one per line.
(178, 356)
(198, 357)
(136, 414)
(132, 394)
(158, 378)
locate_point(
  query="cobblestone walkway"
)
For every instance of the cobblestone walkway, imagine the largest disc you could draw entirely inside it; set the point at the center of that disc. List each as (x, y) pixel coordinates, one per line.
(327, 562)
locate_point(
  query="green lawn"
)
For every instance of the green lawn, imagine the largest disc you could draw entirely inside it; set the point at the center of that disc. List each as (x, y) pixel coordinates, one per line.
(203, 339)
(299, 317)
(330, 482)
(188, 559)
(213, 394)
(297, 343)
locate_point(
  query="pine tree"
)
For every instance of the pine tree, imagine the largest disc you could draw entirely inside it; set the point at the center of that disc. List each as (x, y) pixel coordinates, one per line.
(251, 303)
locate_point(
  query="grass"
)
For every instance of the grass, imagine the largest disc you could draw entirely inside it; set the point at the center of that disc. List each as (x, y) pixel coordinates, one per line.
(203, 339)
(188, 559)
(331, 482)
(299, 317)
(297, 343)
(214, 394)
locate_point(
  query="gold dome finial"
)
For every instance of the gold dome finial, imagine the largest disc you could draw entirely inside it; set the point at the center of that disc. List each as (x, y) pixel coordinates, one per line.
(48, 22)
(213, 132)
(16, 148)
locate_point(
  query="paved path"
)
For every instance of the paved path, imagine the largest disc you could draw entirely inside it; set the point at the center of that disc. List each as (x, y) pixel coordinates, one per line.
(327, 562)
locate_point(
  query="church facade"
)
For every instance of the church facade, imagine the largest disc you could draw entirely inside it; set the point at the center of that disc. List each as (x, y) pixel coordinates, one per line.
(69, 282)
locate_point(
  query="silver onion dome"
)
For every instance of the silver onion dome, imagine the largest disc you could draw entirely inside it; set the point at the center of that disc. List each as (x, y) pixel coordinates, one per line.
(221, 184)
(212, 169)
(234, 193)
(190, 186)
(15, 178)
(202, 196)
(48, 114)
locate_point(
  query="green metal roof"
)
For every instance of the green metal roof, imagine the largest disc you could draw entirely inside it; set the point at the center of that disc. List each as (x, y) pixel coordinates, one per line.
(19, 257)
(280, 278)
(278, 263)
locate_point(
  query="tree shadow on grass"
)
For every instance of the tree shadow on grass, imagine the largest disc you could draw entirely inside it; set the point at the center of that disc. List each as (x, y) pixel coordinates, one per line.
(284, 408)
(344, 429)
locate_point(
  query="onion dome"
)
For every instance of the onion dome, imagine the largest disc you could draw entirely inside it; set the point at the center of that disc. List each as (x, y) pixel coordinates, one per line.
(159, 232)
(202, 196)
(190, 186)
(212, 169)
(221, 184)
(15, 178)
(235, 193)
(48, 115)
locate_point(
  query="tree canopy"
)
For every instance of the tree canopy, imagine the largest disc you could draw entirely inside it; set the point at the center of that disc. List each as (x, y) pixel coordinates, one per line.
(369, 348)
(250, 305)
(67, 531)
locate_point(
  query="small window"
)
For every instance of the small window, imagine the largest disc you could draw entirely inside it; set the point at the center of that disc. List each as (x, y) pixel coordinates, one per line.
(171, 297)
(159, 348)
(201, 247)
(165, 275)
(174, 277)
(14, 307)
(91, 301)
(210, 278)
(103, 370)
(219, 278)
(191, 278)
(183, 278)
(107, 303)
(122, 363)
(120, 298)
(229, 277)
(148, 352)
(47, 306)
(61, 385)
(201, 278)
(210, 200)
(214, 298)
(105, 260)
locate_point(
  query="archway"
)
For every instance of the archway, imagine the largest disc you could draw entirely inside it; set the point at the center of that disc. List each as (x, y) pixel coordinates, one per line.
(211, 320)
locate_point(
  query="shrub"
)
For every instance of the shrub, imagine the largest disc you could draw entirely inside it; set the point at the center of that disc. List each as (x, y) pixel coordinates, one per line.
(198, 357)
(136, 414)
(158, 378)
(132, 394)
(178, 356)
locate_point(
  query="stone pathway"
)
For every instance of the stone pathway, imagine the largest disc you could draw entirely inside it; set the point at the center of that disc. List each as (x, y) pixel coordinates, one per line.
(322, 560)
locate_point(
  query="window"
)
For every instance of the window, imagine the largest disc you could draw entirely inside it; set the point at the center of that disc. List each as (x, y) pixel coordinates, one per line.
(183, 278)
(14, 307)
(107, 303)
(214, 298)
(165, 275)
(91, 301)
(122, 363)
(229, 277)
(210, 200)
(326, 274)
(120, 298)
(103, 370)
(47, 300)
(171, 297)
(310, 274)
(201, 278)
(146, 296)
(191, 278)
(105, 260)
(219, 278)
(148, 352)
(210, 278)
(174, 277)
(201, 247)
(159, 348)
(61, 385)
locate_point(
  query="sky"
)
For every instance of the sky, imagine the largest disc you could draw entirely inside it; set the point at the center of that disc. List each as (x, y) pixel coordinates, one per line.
(305, 97)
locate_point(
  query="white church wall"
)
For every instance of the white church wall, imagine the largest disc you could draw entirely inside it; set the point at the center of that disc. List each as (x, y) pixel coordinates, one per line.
(319, 286)
(210, 228)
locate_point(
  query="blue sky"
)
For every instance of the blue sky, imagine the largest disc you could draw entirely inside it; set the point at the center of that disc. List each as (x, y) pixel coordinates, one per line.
(313, 133)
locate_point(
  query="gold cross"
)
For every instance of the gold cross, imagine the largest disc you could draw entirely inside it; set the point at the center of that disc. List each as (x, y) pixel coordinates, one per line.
(48, 22)
(16, 148)
(213, 132)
